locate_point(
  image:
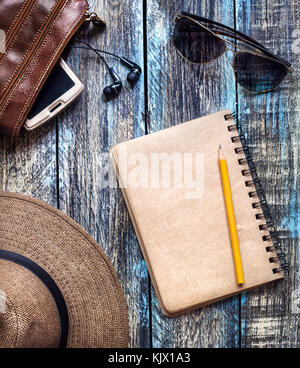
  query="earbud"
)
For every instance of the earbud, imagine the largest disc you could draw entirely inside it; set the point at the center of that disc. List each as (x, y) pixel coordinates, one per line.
(114, 89)
(135, 72)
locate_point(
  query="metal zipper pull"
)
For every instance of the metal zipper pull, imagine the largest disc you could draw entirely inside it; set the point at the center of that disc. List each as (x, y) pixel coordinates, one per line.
(95, 19)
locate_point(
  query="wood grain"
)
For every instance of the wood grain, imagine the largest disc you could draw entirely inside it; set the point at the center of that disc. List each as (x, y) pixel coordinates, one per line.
(270, 121)
(86, 131)
(62, 162)
(28, 165)
(179, 91)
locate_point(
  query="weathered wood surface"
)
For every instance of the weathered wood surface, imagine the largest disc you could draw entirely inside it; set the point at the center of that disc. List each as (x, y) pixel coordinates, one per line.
(89, 128)
(61, 162)
(272, 125)
(179, 91)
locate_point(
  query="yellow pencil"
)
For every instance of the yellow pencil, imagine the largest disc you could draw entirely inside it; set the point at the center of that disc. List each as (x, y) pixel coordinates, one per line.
(231, 218)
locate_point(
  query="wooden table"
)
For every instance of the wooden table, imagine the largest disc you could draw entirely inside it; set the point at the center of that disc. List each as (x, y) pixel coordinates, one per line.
(60, 162)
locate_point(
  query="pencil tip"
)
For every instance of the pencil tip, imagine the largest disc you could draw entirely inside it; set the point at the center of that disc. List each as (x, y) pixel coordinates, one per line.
(220, 146)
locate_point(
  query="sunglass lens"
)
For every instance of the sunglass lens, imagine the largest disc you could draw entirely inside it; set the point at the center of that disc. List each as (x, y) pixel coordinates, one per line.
(195, 43)
(258, 73)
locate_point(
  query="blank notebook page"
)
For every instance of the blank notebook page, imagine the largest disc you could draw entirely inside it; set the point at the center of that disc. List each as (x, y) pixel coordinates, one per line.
(184, 238)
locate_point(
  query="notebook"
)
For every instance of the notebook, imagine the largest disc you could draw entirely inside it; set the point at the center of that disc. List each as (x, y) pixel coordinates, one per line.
(172, 187)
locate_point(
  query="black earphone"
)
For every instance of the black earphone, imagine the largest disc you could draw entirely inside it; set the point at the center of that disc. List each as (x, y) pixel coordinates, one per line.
(114, 89)
(135, 71)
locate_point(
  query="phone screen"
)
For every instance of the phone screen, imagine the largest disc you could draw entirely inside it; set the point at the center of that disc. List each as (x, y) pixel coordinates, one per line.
(55, 86)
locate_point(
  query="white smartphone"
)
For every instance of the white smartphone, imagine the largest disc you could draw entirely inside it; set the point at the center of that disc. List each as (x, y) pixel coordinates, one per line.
(61, 88)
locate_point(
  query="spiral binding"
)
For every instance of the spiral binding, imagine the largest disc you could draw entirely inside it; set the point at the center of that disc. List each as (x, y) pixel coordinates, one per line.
(260, 194)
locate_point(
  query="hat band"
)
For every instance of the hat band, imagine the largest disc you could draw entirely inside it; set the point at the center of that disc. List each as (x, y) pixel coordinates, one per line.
(52, 287)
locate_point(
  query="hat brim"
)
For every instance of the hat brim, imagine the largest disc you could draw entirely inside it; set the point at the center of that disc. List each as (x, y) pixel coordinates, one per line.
(96, 305)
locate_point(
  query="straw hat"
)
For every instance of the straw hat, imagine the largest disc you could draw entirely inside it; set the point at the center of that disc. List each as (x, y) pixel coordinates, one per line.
(58, 288)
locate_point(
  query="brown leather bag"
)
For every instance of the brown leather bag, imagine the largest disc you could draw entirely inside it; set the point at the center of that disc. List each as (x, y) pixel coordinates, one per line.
(36, 33)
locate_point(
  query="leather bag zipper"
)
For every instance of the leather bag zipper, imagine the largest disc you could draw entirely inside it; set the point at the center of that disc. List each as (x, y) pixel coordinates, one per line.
(57, 8)
(84, 19)
(18, 24)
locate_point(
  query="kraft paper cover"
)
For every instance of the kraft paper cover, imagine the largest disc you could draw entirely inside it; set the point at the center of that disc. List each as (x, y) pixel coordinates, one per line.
(184, 239)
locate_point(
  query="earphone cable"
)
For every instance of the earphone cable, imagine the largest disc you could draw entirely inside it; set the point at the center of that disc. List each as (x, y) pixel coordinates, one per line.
(91, 48)
(95, 50)
(98, 50)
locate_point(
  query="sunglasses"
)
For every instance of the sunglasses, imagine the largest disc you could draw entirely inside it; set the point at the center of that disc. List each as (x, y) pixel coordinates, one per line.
(199, 41)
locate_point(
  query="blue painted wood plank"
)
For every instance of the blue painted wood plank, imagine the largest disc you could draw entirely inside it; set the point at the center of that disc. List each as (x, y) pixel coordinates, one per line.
(28, 165)
(179, 91)
(88, 129)
(271, 122)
